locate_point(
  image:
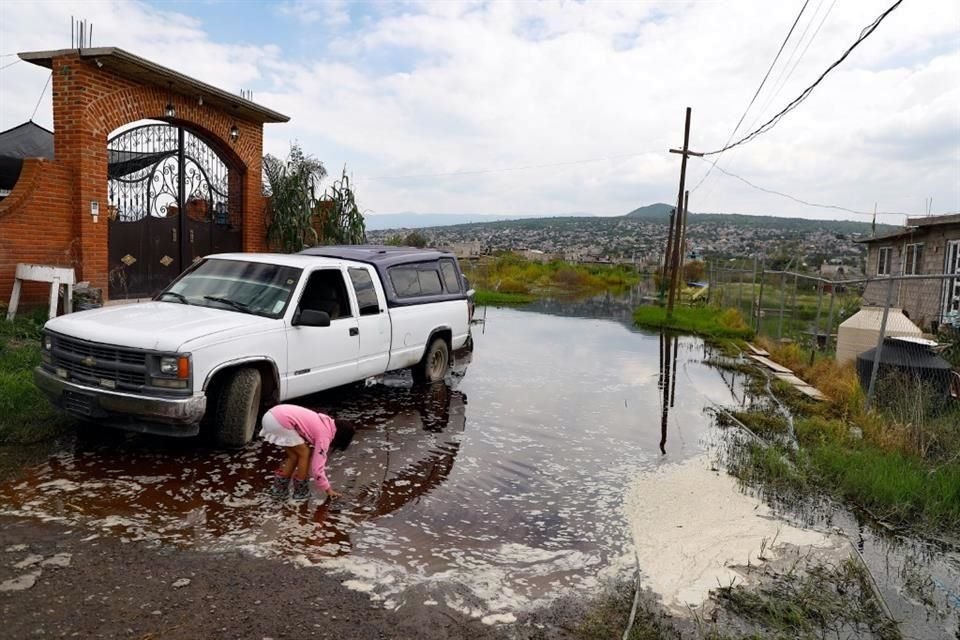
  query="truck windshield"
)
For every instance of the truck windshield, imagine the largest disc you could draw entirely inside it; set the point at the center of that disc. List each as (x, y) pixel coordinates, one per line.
(234, 285)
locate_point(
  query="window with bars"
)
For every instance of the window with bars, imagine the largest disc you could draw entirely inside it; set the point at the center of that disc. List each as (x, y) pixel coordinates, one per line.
(913, 259)
(883, 261)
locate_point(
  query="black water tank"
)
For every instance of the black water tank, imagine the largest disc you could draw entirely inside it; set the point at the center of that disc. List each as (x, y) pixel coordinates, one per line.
(907, 357)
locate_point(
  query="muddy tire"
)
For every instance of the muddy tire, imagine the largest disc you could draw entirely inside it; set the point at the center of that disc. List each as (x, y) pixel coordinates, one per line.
(435, 363)
(238, 407)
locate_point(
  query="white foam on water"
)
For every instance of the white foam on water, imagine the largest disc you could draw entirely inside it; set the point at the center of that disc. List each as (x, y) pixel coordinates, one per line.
(693, 528)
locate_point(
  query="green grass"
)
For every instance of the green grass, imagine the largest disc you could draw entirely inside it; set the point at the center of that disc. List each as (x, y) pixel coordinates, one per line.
(511, 274)
(25, 415)
(709, 322)
(812, 603)
(892, 486)
(484, 296)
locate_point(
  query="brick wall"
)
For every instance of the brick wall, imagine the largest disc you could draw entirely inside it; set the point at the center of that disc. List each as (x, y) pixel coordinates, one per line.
(921, 299)
(47, 218)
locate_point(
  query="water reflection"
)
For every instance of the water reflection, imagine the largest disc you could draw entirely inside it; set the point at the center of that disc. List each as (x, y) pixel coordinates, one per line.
(145, 488)
(667, 382)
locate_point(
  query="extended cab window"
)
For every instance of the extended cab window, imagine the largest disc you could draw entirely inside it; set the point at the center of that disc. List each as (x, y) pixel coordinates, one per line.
(412, 281)
(450, 279)
(406, 281)
(365, 291)
(326, 291)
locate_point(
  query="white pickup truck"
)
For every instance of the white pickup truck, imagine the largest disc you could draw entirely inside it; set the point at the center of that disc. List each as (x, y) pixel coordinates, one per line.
(237, 333)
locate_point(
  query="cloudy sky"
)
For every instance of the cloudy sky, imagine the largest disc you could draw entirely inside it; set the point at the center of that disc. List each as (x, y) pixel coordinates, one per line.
(556, 107)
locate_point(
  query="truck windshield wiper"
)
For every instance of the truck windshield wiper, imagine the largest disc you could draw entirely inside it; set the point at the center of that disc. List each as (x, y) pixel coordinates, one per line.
(239, 306)
(180, 298)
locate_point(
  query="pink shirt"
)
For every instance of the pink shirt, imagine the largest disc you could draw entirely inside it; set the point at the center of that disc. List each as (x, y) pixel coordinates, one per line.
(317, 429)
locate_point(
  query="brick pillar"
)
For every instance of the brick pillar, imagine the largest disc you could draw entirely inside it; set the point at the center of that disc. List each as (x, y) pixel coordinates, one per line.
(254, 218)
(82, 150)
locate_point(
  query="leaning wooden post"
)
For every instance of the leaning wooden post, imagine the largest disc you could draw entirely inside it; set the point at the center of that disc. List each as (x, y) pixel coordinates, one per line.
(879, 350)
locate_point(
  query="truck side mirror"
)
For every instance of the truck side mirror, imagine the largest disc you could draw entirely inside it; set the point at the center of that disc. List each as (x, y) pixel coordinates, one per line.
(312, 318)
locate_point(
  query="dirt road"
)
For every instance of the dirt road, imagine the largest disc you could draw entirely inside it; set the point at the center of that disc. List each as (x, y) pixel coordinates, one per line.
(104, 588)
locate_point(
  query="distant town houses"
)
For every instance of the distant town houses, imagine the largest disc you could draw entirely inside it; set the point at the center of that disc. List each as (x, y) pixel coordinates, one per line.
(640, 241)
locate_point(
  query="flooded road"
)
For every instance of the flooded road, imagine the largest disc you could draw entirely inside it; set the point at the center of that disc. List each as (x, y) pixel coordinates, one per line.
(502, 489)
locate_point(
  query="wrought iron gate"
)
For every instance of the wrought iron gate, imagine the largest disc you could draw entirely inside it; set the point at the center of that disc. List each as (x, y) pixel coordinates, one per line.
(172, 199)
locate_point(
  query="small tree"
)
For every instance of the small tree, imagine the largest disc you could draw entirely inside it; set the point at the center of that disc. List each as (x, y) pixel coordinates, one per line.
(291, 184)
(415, 239)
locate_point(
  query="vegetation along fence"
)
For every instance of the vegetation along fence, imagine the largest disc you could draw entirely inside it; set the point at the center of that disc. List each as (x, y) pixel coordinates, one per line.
(894, 329)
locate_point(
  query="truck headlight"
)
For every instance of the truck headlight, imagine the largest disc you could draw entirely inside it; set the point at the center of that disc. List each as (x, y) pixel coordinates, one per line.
(168, 365)
(47, 342)
(178, 366)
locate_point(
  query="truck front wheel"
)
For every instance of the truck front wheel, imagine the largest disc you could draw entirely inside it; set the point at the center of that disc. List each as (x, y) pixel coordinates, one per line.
(435, 363)
(237, 407)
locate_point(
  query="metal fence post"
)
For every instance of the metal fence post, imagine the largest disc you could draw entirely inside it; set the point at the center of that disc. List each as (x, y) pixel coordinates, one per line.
(740, 291)
(760, 298)
(753, 292)
(783, 299)
(816, 322)
(833, 297)
(879, 350)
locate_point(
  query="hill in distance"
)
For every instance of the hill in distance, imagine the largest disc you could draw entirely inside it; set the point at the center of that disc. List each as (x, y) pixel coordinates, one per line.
(380, 222)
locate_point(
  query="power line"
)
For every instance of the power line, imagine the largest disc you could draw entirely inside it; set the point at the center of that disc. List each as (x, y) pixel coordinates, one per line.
(507, 169)
(769, 124)
(7, 66)
(45, 85)
(759, 88)
(782, 81)
(814, 204)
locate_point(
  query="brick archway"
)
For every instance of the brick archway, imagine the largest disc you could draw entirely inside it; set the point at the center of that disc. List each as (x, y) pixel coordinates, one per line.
(95, 92)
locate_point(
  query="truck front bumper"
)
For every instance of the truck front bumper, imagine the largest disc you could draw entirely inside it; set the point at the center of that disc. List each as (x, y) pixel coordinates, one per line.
(133, 412)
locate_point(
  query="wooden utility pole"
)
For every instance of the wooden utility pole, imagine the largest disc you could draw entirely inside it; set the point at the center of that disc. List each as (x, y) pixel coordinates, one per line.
(674, 259)
(668, 253)
(681, 241)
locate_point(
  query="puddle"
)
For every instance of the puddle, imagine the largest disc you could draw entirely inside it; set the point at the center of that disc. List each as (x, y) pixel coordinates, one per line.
(501, 489)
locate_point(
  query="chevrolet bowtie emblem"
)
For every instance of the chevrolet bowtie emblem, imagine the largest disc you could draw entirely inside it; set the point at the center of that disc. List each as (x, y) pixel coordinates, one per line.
(89, 361)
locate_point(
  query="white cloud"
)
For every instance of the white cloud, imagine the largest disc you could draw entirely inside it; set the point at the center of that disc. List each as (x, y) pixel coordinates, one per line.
(440, 87)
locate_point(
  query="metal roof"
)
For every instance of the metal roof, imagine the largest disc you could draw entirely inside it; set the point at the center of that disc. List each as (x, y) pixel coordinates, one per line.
(131, 66)
(891, 235)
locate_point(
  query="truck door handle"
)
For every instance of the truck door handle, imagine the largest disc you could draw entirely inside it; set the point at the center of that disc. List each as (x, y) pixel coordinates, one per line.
(354, 331)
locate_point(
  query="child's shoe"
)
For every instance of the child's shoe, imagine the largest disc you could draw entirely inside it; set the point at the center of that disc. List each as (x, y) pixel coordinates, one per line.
(279, 487)
(301, 489)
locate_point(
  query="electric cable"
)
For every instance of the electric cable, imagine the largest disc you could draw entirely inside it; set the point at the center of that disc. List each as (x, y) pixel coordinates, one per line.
(759, 88)
(814, 204)
(769, 124)
(40, 99)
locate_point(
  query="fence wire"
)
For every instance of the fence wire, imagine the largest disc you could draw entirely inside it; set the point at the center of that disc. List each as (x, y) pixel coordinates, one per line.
(899, 331)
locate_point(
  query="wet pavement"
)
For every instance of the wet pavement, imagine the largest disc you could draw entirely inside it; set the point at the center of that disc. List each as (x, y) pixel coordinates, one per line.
(501, 489)
(508, 480)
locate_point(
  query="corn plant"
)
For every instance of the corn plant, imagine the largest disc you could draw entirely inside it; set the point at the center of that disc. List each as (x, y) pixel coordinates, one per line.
(338, 218)
(291, 185)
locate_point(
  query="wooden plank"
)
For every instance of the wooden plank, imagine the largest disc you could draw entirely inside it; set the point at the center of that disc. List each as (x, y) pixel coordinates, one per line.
(811, 392)
(789, 377)
(757, 351)
(770, 364)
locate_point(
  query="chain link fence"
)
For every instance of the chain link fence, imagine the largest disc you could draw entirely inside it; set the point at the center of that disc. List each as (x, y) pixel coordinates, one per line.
(895, 329)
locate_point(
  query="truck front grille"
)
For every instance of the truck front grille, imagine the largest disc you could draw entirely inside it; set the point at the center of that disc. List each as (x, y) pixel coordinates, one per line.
(94, 363)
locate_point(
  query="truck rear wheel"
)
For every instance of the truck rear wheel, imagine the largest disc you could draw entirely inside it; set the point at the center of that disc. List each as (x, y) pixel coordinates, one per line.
(435, 363)
(237, 408)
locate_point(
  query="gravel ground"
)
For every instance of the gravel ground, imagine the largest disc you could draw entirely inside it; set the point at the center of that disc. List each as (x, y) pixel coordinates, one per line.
(58, 582)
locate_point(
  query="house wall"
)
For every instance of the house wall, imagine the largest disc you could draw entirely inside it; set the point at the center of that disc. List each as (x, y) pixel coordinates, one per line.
(46, 218)
(921, 299)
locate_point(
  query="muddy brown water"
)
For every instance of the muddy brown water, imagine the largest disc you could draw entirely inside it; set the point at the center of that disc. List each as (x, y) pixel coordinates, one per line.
(500, 489)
